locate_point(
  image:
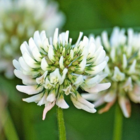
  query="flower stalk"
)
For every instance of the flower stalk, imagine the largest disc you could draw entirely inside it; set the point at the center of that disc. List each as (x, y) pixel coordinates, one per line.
(61, 124)
(8, 126)
(118, 122)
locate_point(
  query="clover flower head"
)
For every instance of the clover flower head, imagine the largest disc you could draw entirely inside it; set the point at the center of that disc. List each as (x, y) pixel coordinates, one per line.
(123, 49)
(19, 19)
(52, 68)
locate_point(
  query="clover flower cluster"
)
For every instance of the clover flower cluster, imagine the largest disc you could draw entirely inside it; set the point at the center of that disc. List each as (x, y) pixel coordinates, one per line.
(123, 49)
(52, 68)
(19, 19)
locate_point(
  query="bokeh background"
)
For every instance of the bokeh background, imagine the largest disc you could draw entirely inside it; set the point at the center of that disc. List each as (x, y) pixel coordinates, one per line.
(23, 120)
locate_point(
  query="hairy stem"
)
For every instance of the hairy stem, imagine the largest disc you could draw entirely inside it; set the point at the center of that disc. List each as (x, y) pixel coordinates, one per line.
(61, 125)
(118, 122)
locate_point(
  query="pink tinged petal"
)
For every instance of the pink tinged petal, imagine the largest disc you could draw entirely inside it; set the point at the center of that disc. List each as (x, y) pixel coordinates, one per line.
(34, 98)
(26, 79)
(109, 97)
(125, 106)
(135, 98)
(107, 107)
(60, 102)
(29, 89)
(135, 94)
(98, 88)
(48, 107)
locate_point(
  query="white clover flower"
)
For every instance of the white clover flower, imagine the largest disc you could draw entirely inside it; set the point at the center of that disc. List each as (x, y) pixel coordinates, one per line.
(19, 19)
(123, 68)
(53, 68)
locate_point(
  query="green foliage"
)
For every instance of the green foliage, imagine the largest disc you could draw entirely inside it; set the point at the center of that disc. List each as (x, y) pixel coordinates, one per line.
(90, 16)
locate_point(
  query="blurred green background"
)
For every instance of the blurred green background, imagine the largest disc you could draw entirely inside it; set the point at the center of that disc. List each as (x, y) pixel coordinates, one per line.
(89, 16)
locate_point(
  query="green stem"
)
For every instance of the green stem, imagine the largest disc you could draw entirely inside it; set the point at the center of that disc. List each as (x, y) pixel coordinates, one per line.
(8, 125)
(117, 135)
(61, 125)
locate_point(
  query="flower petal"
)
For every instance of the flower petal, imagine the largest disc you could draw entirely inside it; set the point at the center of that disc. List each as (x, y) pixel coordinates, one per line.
(98, 88)
(83, 104)
(44, 64)
(109, 97)
(60, 102)
(97, 69)
(48, 107)
(52, 96)
(51, 53)
(29, 60)
(16, 64)
(25, 78)
(125, 106)
(29, 89)
(34, 98)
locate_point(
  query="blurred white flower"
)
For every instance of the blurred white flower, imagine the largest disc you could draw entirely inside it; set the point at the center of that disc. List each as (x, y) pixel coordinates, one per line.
(123, 68)
(19, 19)
(52, 68)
